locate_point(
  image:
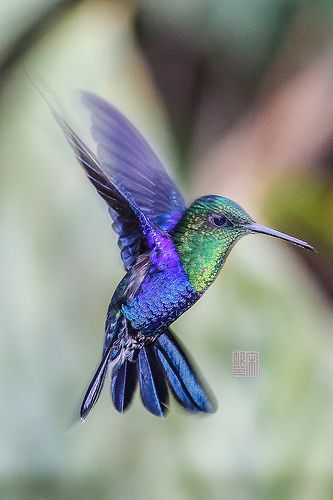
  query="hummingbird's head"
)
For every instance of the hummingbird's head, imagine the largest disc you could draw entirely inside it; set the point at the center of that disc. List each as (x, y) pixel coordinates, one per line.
(207, 232)
(226, 220)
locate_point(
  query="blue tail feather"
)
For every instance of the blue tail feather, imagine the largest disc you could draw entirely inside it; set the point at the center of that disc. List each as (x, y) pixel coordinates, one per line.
(95, 386)
(153, 388)
(181, 376)
(124, 381)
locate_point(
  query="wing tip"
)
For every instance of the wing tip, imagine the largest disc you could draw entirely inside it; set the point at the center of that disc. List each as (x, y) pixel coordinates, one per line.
(92, 100)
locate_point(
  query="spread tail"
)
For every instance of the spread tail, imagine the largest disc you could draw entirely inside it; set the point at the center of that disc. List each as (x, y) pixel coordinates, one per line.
(157, 366)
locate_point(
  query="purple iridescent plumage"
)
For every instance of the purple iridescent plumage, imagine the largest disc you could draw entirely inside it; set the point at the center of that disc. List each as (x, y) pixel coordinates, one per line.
(160, 300)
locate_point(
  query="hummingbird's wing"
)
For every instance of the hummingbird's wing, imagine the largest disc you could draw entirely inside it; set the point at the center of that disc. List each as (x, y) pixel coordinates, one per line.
(137, 233)
(126, 156)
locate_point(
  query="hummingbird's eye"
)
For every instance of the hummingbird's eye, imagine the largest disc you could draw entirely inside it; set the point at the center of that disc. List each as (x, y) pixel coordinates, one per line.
(219, 220)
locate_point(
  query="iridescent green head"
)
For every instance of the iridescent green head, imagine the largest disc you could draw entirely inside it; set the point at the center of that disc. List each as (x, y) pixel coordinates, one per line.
(207, 232)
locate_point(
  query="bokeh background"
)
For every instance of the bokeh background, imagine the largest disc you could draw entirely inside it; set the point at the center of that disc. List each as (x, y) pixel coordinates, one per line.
(237, 99)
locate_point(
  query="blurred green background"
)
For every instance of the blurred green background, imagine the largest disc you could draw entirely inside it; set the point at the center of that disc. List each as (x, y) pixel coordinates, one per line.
(236, 97)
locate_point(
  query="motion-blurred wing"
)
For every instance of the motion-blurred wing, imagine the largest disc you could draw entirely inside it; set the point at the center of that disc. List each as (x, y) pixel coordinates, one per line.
(136, 232)
(126, 156)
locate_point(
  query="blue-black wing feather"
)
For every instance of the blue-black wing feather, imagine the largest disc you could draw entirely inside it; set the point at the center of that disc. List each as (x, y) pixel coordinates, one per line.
(127, 157)
(137, 233)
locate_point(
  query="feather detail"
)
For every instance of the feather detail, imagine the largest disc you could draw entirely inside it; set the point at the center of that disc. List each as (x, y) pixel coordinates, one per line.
(95, 386)
(181, 376)
(127, 157)
(133, 225)
(153, 388)
(124, 380)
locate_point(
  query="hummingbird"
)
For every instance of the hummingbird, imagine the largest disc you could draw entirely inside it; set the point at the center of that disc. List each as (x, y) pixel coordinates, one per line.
(171, 253)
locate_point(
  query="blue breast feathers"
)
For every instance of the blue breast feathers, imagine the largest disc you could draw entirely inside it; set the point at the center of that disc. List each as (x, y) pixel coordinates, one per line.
(163, 296)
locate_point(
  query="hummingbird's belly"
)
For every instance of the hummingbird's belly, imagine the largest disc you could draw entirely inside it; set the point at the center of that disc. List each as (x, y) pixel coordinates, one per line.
(161, 299)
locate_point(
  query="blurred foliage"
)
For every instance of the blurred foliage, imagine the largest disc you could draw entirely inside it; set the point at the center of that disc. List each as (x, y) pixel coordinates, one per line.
(309, 215)
(236, 95)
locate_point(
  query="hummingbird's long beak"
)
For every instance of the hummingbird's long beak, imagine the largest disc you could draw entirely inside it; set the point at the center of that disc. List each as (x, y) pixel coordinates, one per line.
(257, 228)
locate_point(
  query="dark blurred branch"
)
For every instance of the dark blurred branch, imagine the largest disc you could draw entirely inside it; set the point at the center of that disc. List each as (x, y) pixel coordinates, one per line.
(204, 91)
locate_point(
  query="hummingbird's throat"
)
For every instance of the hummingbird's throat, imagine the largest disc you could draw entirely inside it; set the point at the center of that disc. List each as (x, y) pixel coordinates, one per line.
(202, 258)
